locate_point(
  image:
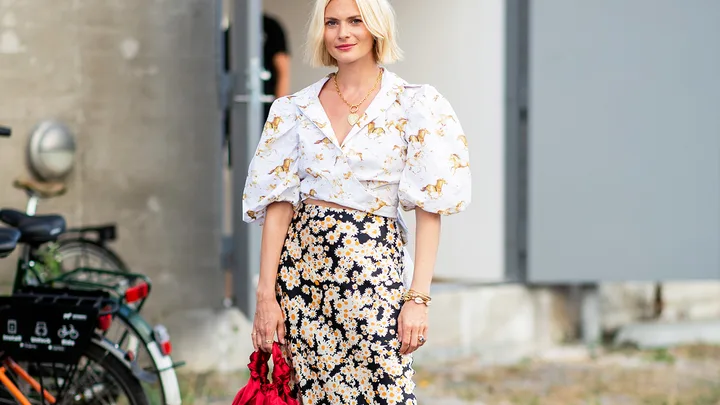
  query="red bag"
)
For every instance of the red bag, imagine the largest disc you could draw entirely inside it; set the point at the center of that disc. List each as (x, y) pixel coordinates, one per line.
(259, 390)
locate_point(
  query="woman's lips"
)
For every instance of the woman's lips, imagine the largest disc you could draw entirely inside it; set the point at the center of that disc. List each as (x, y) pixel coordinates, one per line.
(345, 47)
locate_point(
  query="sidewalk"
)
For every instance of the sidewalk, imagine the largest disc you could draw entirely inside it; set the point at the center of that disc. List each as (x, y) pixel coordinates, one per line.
(220, 389)
(686, 375)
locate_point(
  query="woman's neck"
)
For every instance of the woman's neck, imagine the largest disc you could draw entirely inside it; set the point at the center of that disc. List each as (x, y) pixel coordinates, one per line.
(358, 75)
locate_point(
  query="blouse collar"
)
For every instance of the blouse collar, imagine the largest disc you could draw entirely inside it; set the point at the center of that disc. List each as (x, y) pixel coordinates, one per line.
(309, 104)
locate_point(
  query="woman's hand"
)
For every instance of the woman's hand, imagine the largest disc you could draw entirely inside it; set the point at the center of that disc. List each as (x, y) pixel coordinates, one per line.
(412, 326)
(268, 320)
(268, 315)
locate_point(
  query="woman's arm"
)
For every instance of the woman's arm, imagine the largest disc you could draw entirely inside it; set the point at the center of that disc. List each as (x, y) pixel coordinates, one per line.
(412, 322)
(427, 239)
(282, 67)
(436, 181)
(268, 315)
(275, 229)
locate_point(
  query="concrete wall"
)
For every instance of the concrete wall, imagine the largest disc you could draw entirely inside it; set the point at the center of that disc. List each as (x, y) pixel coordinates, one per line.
(135, 80)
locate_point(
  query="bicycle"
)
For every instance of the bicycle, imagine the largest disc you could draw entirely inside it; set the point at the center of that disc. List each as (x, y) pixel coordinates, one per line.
(24, 361)
(82, 367)
(147, 349)
(85, 243)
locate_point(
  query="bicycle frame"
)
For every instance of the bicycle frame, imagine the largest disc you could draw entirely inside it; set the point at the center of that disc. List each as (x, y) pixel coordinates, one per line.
(14, 390)
(32, 204)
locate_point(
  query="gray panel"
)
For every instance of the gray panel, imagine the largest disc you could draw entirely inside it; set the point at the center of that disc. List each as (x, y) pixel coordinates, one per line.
(516, 104)
(624, 140)
(246, 59)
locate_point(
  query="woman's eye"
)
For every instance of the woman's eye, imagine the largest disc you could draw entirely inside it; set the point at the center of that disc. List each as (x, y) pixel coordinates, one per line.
(357, 21)
(329, 23)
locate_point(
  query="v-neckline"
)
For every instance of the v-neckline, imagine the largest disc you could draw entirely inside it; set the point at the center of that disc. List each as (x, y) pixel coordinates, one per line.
(355, 127)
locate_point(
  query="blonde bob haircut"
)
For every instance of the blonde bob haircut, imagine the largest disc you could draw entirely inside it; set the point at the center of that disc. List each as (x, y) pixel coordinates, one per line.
(379, 18)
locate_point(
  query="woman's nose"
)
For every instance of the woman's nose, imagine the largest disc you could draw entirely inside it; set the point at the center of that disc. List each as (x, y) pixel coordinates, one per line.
(344, 31)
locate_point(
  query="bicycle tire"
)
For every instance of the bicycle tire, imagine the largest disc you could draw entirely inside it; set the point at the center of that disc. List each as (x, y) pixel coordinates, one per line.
(145, 360)
(102, 354)
(72, 247)
(80, 246)
(119, 370)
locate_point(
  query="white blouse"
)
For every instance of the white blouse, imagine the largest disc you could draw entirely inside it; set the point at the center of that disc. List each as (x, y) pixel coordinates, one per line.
(408, 150)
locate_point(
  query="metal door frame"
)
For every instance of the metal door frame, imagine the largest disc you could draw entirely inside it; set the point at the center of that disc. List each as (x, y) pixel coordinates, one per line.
(516, 146)
(246, 66)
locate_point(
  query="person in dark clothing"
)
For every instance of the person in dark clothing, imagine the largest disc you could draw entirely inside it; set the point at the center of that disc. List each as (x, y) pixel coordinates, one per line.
(276, 58)
(276, 63)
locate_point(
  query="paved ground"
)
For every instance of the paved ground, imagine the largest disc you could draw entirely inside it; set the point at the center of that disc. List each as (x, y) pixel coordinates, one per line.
(687, 375)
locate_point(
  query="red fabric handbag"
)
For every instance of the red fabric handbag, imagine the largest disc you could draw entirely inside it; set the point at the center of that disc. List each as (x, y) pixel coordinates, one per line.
(259, 390)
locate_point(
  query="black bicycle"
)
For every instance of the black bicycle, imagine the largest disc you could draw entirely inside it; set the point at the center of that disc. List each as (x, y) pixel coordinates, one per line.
(147, 348)
(86, 246)
(51, 348)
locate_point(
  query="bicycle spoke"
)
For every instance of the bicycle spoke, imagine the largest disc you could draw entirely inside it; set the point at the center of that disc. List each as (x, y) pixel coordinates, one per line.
(66, 382)
(42, 389)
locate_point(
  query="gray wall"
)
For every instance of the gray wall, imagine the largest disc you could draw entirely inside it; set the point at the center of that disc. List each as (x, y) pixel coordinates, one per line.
(624, 140)
(135, 80)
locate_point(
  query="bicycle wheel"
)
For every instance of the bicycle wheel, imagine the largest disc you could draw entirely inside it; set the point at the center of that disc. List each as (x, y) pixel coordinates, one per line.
(78, 252)
(155, 370)
(99, 378)
(150, 366)
(75, 253)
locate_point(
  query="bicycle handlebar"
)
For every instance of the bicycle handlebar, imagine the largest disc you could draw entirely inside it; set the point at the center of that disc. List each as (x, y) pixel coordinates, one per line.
(5, 131)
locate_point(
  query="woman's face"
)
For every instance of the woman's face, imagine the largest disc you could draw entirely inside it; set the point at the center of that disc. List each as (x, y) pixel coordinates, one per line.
(346, 37)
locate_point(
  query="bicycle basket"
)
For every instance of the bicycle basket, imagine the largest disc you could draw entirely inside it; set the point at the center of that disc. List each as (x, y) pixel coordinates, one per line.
(49, 325)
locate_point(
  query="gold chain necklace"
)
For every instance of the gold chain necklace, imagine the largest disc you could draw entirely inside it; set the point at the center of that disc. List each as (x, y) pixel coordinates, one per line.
(353, 117)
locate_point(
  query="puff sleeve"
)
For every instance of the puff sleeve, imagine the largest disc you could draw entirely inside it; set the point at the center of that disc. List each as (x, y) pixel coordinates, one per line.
(273, 172)
(436, 177)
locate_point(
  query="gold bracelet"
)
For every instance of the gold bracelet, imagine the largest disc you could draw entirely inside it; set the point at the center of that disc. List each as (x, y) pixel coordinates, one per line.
(416, 297)
(418, 294)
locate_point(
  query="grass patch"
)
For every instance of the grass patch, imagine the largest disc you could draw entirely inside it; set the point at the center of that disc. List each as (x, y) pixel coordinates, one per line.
(688, 375)
(208, 387)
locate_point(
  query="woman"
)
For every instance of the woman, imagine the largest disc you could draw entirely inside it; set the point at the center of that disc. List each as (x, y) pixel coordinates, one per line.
(334, 164)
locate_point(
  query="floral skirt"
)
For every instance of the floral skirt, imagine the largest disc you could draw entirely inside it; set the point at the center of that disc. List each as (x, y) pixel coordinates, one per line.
(340, 288)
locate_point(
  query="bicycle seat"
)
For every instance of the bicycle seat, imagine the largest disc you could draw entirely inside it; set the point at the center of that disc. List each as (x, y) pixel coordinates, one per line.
(42, 190)
(34, 230)
(8, 241)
